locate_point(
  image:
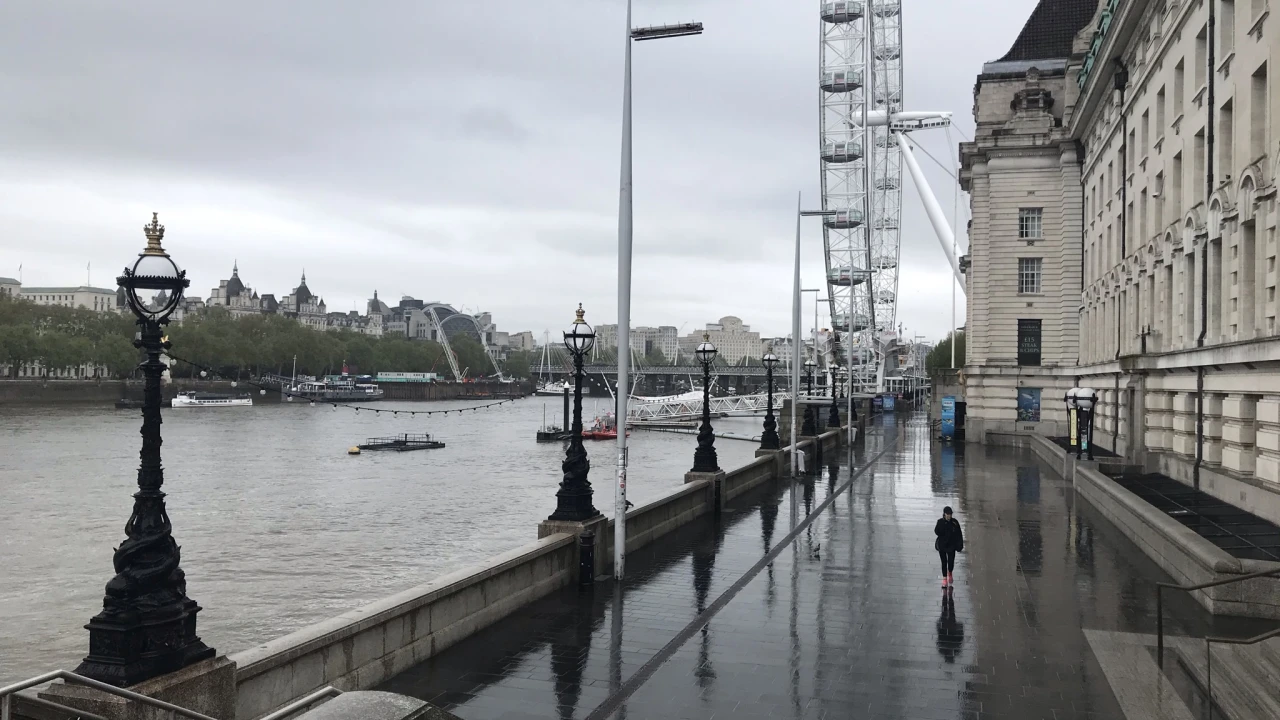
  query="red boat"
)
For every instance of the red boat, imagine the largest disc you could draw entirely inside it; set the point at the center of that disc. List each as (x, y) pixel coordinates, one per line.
(604, 428)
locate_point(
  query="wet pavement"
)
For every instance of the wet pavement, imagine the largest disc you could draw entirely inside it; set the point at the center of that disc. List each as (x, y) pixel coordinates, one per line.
(848, 619)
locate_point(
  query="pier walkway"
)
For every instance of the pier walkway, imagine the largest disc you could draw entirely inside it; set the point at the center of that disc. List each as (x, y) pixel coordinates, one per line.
(845, 616)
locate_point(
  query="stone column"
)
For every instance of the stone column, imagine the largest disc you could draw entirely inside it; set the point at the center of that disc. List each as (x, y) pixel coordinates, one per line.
(1159, 436)
(1239, 433)
(1184, 424)
(1213, 428)
(1267, 438)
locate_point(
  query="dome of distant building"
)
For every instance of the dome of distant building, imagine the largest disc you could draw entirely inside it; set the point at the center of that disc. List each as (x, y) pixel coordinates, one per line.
(303, 293)
(234, 286)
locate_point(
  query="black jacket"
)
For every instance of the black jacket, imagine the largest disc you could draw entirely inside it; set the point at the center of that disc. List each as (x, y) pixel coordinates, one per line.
(950, 538)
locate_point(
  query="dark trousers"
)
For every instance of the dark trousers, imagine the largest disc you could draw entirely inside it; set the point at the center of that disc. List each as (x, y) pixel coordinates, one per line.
(948, 561)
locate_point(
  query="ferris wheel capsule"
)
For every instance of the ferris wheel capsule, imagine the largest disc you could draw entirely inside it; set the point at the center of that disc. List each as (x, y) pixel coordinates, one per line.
(842, 12)
(844, 220)
(841, 81)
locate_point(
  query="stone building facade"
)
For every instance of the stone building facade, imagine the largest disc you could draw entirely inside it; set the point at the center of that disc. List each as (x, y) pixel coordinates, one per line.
(82, 296)
(1023, 269)
(1171, 106)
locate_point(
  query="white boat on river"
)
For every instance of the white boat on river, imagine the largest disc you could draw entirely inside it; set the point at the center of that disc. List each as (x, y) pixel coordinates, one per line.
(200, 399)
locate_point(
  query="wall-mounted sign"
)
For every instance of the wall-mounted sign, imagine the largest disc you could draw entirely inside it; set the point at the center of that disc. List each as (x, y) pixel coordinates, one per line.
(1028, 342)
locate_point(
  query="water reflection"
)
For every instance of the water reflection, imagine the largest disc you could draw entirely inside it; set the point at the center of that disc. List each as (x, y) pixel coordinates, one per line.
(769, 520)
(1030, 538)
(703, 565)
(570, 651)
(950, 630)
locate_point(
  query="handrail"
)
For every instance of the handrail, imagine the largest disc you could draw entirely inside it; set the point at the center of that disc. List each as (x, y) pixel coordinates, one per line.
(75, 712)
(296, 705)
(1208, 657)
(1160, 587)
(6, 694)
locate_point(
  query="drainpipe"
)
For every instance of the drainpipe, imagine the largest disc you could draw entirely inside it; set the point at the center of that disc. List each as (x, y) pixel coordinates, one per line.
(1204, 260)
(1121, 80)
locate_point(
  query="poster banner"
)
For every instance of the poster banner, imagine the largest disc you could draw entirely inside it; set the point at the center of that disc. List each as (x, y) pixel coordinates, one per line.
(1029, 405)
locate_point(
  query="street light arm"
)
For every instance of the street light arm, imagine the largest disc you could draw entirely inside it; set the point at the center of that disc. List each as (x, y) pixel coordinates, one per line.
(658, 32)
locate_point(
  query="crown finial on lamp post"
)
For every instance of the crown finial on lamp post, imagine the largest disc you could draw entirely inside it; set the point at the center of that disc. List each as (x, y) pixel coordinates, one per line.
(154, 233)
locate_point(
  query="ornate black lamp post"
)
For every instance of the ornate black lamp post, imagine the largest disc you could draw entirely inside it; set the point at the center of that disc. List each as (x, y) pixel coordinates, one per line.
(810, 425)
(704, 458)
(573, 500)
(147, 626)
(769, 440)
(833, 420)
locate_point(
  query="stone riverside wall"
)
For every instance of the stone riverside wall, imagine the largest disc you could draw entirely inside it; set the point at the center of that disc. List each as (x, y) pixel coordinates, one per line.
(106, 392)
(92, 392)
(1186, 556)
(360, 649)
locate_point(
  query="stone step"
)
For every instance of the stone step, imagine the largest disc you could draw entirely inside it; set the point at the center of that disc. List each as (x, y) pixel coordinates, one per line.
(1243, 680)
(1271, 651)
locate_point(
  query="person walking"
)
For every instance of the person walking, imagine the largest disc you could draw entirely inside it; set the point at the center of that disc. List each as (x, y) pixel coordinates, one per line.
(950, 541)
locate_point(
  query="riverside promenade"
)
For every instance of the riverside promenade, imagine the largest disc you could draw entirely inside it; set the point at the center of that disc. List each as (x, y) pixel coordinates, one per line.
(845, 617)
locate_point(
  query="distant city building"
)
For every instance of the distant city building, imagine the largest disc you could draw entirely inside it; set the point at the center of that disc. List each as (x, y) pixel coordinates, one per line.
(238, 299)
(523, 342)
(10, 287)
(643, 340)
(83, 296)
(732, 339)
(305, 307)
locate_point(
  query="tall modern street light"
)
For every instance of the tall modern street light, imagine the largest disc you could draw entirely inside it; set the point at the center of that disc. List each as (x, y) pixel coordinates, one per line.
(795, 338)
(573, 500)
(810, 428)
(769, 439)
(624, 279)
(147, 626)
(704, 459)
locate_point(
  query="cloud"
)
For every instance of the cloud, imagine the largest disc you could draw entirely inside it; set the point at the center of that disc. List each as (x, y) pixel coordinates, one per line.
(465, 152)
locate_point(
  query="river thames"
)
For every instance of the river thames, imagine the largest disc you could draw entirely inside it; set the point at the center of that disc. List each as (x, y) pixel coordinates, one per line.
(279, 527)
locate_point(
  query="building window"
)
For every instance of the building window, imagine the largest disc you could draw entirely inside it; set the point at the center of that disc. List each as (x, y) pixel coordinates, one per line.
(1030, 223)
(1028, 342)
(1029, 271)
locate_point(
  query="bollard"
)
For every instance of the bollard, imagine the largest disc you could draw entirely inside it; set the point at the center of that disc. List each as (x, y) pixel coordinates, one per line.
(586, 559)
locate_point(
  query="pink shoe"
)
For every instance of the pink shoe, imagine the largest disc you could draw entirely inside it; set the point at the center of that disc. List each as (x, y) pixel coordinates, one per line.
(944, 581)
(951, 579)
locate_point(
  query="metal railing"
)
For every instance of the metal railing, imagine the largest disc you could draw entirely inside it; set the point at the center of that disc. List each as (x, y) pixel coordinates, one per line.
(1208, 658)
(296, 705)
(1160, 587)
(9, 692)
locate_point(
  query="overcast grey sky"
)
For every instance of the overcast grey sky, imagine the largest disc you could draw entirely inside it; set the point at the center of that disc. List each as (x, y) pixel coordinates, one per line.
(465, 152)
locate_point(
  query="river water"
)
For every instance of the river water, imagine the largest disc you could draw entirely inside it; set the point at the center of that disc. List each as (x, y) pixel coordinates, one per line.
(279, 527)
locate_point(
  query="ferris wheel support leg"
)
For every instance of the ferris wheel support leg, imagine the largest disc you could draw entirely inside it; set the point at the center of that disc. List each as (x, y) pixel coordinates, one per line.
(945, 237)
